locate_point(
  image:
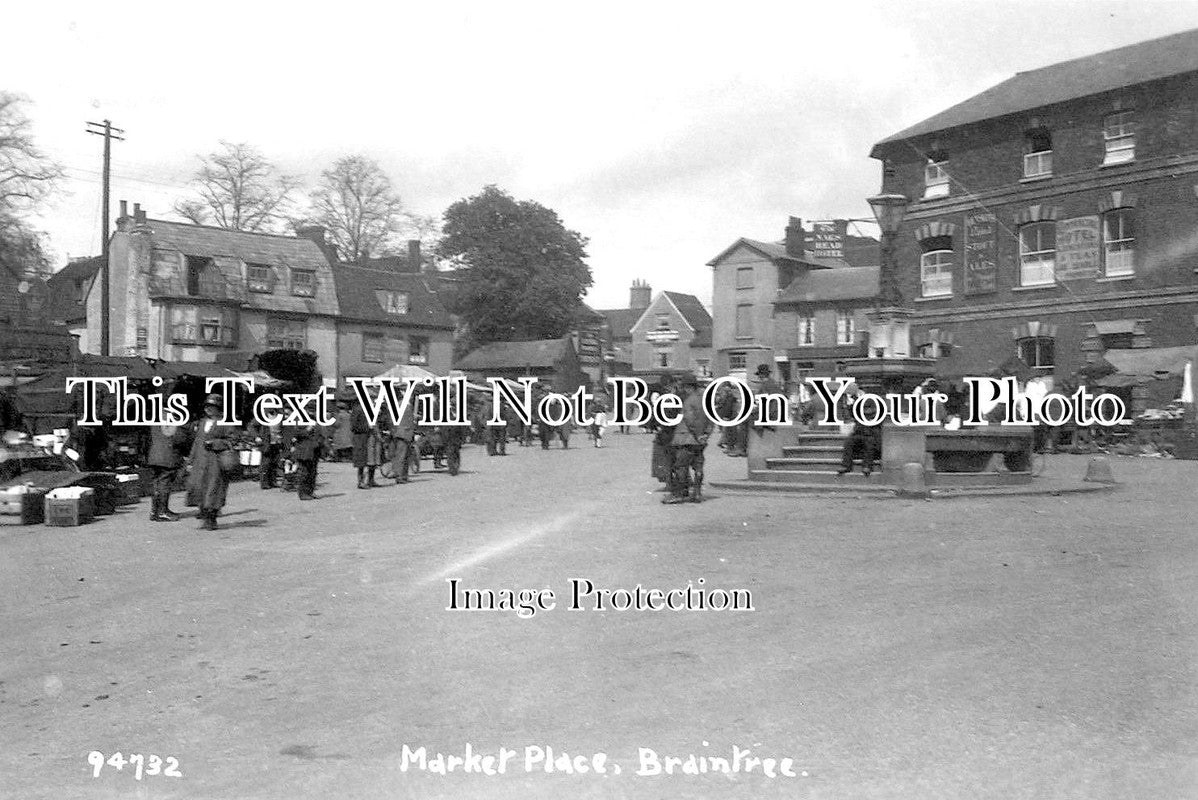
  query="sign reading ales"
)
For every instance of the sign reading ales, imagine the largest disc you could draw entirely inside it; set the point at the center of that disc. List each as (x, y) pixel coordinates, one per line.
(980, 266)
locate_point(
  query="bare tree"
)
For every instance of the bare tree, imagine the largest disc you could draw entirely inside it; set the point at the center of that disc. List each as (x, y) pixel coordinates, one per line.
(357, 205)
(238, 189)
(27, 175)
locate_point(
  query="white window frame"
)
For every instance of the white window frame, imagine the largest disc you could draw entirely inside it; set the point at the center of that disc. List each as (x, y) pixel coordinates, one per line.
(310, 290)
(1119, 254)
(1037, 267)
(846, 328)
(264, 285)
(394, 302)
(1119, 138)
(1038, 342)
(936, 273)
(738, 361)
(1037, 165)
(420, 357)
(935, 179)
(806, 331)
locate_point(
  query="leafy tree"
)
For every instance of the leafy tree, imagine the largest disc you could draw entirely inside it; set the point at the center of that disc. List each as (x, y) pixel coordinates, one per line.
(358, 207)
(238, 189)
(526, 272)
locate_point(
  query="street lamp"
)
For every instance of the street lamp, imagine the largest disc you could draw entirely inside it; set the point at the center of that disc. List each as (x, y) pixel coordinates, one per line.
(889, 210)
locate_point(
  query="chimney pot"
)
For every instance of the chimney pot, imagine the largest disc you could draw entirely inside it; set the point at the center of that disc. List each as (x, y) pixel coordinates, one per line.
(640, 295)
(795, 238)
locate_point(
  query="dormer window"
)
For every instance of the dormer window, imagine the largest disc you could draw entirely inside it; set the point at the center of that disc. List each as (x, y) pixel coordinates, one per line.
(393, 302)
(1037, 161)
(303, 283)
(204, 279)
(1119, 137)
(260, 278)
(935, 175)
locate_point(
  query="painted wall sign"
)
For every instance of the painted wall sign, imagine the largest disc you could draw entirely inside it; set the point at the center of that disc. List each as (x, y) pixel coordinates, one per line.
(980, 249)
(826, 240)
(1078, 241)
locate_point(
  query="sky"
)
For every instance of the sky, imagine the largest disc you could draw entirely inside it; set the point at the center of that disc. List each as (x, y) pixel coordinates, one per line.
(661, 131)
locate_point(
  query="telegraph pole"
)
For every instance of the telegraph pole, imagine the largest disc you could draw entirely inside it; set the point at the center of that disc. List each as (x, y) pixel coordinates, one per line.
(109, 133)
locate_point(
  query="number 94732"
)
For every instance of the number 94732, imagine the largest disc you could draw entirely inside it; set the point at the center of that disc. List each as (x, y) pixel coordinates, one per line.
(140, 764)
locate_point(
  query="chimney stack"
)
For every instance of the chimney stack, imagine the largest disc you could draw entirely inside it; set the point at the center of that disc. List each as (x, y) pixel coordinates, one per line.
(415, 260)
(640, 295)
(122, 221)
(316, 233)
(795, 238)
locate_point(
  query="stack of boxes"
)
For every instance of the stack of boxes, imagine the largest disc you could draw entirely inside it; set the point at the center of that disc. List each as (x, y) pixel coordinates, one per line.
(22, 505)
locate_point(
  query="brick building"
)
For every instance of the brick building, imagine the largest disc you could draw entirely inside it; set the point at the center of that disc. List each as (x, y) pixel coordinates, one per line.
(1055, 216)
(797, 304)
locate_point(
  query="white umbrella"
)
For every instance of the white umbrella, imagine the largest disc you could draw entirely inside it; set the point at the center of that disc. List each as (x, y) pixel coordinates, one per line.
(405, 372)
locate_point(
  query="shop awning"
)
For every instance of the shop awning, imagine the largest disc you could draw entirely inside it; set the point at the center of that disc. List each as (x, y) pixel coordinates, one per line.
(1152, 362)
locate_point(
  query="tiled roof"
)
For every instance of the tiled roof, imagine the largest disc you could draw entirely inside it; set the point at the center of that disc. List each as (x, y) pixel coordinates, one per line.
(229, 248)
(1113, 69)
(695, 315)
(845, 283)
(357, 289)
(61, 286)
(508, 355)
(621, 320)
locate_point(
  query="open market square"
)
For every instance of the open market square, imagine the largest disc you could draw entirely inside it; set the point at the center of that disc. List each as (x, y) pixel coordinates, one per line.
(989, 647)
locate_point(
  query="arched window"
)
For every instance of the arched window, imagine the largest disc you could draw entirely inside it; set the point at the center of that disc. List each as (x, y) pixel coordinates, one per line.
(1119, 242)
(1037, 254)
(1038, 352)
(936, 267)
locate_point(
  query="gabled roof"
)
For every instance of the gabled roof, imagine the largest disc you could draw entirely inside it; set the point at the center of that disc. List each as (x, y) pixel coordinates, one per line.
(515, 355)
(845, 283)
(79, 270)
(357, 289)
(858, 251)
(695, 315)
(770, 250)
(61, 287)
(1113, 69)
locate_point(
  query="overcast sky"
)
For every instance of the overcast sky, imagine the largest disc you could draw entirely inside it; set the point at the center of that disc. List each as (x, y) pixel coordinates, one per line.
(661, 131)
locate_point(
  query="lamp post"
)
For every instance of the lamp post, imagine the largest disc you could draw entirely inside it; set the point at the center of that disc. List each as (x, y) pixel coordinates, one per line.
(889, 210)
(889, 333)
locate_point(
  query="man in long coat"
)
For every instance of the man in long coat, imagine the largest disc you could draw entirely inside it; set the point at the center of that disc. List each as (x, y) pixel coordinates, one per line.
(209, 484)
(690, 440)
(403, 433)
(169, 445)
(367, 446)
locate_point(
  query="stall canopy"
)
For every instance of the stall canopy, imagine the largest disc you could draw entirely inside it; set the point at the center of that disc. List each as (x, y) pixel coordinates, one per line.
(1151, 362)
(47, 397)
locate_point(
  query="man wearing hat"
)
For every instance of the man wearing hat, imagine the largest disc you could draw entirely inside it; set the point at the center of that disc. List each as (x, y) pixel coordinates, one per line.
(168, 448)
(209, 483)
(690, 439)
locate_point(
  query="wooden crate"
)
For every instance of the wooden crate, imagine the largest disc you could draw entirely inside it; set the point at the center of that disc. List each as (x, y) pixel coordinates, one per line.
(67, 512)
(26, 508)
